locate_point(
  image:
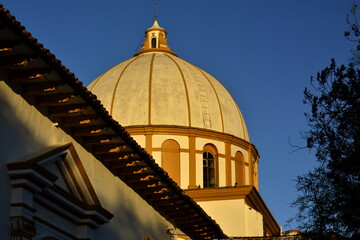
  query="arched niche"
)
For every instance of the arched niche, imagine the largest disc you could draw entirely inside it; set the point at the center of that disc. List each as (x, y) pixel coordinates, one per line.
(170, 159)
(239, 169)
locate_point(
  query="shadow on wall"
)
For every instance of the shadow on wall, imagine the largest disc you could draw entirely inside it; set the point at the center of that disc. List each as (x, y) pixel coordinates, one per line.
(19, 123)
(16, 140)
(133, 219)
(126, 225)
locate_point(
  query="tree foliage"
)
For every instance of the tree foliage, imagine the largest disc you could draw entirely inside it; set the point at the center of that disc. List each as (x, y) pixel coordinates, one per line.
(353, 34)
(329, 195)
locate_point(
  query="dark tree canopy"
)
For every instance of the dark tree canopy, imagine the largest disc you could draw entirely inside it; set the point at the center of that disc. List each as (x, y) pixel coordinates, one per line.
(353, 34)
(330, 194)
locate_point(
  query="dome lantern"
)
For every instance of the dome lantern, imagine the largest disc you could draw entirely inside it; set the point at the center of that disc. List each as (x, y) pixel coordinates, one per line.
(155, 40)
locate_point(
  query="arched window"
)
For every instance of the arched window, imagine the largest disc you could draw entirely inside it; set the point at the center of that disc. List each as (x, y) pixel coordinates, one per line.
(170, 159)
(239, 168)
(208, 170)
(209, 166)
(153, 42)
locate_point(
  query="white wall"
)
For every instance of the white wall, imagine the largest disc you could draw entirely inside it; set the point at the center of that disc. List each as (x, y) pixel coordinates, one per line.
(24, 130)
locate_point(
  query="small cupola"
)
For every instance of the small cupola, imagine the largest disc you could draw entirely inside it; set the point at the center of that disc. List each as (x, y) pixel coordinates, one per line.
(155, 40)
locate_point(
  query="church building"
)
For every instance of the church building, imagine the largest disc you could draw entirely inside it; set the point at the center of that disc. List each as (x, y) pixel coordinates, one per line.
(154, 148)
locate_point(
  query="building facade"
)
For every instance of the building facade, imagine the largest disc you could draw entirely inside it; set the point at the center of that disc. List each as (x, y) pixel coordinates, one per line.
(70, 171)
(182, 168)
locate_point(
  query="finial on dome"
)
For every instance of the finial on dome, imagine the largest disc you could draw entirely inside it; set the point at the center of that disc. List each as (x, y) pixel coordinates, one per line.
(156, 25)
(155, 40)
(155, 9)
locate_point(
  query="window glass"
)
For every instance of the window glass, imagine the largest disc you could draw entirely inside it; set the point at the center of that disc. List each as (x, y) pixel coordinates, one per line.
(208, 170)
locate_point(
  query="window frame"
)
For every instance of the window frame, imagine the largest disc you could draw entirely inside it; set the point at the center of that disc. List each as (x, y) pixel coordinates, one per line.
(210, 149)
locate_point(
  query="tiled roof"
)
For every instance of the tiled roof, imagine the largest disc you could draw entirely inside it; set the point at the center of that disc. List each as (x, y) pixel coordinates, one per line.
(55, 91)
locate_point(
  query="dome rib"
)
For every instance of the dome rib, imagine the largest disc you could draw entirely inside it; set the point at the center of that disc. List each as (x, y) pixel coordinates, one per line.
(216, 94)
(243, 125)
(245, 131)
(150, 86)
(117, 84)
(97, 80)
(186, 88)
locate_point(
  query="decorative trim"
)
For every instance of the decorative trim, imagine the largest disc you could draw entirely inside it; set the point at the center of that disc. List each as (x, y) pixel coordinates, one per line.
(197, 132)
(150, 88)
(148, 139)
(211, 148)
(228, 163)
(182, 150)
(220, 155)
(218, 193)
(84, 176)
(190, 132)
(22, 227)
(192, 162)
(58, 165)
(34, 175)
(40, 220)
(155, 50)
(76, 183)
(23, 205)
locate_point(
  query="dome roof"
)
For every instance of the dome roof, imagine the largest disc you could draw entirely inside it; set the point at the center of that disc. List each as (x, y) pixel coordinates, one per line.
(157, 88)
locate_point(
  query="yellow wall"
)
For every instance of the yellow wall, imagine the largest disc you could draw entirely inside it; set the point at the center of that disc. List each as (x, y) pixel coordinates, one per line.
(235, 217)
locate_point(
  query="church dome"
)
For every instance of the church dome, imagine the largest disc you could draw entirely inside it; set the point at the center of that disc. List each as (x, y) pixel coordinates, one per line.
(157, 88)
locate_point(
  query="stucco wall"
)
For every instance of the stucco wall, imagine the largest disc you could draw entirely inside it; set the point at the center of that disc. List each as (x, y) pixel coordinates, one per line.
(235, 217)
(24, 130)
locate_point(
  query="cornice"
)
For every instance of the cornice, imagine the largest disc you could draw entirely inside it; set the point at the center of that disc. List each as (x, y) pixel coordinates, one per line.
(154, 50)
(194, 132)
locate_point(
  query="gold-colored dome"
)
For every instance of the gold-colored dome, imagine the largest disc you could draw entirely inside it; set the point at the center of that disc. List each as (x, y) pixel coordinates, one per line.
(157, 88)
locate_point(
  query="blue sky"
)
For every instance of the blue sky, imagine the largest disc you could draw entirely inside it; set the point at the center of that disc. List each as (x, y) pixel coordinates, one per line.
(262, 51)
